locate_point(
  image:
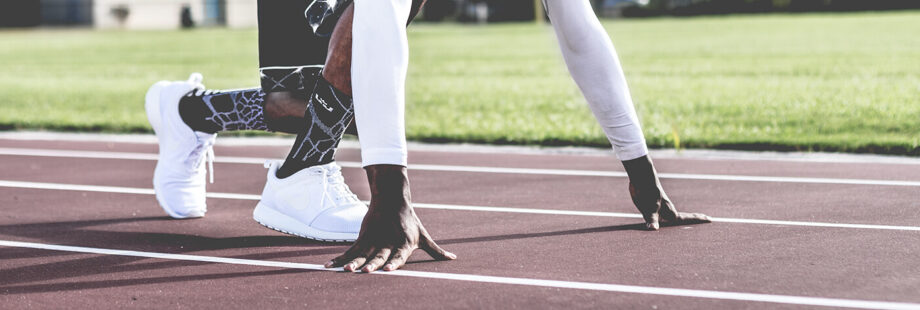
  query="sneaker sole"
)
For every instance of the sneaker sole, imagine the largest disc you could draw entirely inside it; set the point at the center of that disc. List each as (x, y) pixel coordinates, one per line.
(173, 214)
(277, 221)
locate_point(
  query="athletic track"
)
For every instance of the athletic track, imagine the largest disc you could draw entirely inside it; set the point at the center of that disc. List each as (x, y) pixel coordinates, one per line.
(80, 228)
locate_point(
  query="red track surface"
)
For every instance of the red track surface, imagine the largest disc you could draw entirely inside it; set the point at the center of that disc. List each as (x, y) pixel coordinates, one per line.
(808, 261)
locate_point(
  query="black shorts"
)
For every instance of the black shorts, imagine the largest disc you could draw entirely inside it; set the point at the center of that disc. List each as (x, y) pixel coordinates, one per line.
(291, 55)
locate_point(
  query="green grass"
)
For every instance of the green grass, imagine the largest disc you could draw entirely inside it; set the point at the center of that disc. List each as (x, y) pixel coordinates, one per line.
(831, 82)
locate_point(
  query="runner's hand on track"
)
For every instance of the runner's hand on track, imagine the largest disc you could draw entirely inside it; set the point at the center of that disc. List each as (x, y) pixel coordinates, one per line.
(649, 197)
(658, 210)
(391, 230)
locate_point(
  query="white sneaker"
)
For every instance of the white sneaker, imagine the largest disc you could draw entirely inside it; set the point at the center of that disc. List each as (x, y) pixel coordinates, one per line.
(179, 179)
(313, 203)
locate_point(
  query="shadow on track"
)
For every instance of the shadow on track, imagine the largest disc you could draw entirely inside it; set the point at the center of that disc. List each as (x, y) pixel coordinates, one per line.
(84, 285)
(545, 234)
(82, 233)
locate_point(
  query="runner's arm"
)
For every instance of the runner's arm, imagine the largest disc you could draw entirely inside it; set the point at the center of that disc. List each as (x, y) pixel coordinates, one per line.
(380, 59)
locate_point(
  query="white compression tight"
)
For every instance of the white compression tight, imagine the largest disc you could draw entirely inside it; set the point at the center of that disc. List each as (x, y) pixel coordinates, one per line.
(595, 67)
(380, 58)
(379, 61)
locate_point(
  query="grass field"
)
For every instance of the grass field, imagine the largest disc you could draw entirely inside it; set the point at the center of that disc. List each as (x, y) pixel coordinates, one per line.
(833, 82)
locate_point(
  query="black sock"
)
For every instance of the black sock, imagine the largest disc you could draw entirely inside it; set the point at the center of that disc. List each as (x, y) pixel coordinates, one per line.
(329, 112)
(216, 111)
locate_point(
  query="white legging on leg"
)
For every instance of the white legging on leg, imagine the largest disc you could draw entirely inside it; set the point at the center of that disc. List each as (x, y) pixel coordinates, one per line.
(595, 67)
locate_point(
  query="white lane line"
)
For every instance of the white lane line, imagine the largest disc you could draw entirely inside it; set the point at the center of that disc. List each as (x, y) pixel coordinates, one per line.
(617, 288)
(148, 191)
(77, 187)
(452, 168)
(716, 177)
(691, 154)
(638, 216)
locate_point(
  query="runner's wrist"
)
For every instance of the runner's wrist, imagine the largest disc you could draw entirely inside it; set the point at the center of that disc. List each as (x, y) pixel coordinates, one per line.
(389, 186)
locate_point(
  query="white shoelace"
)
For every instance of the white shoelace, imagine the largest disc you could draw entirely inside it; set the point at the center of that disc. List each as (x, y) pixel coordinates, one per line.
(208, 148)
(331, 176)
(210, 158)
(335, 178)
(325, 179)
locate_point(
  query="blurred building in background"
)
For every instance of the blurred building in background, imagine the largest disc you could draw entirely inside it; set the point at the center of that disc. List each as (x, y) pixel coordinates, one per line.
(128, 14)
(66, 12)
(170, 14)
(479, 11)
(166, 14)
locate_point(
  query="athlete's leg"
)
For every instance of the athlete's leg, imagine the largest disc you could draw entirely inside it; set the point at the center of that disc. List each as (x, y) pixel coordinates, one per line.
(329, 113)
(595, 67)
(290, 59)
(334, 92)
